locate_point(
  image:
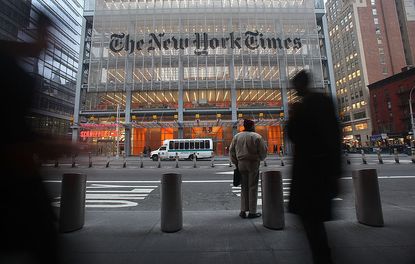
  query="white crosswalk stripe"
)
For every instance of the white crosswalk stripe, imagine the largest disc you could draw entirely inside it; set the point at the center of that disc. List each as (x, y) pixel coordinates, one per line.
(113, 196)
(286, 187)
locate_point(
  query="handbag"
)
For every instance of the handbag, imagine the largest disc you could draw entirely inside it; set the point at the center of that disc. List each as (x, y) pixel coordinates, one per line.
(236, 177)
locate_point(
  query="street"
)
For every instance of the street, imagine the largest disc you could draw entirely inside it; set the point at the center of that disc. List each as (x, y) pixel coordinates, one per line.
(206, 188)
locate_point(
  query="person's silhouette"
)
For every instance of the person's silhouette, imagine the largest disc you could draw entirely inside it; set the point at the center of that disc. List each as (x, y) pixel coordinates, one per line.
(314, 130)
(27, 222)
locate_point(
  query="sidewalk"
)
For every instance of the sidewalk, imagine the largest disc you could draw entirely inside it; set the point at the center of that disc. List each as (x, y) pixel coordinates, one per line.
(222, 237)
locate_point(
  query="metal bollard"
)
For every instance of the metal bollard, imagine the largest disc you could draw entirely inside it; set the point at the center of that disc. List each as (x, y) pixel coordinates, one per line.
(159, 162)
(177, 160)
(413, 154)
(72, 203)
(347, 158)
(230, 162)
(171, 202)
(363, 156)
(124, 165)
(265, 162)
(141, 161)
(272, 200)
(395, 153)
(367, 197)
(194, 160)
(282, 159)
(379, 157)
(108, 162)
(73, 162)
(56, 163)
(213, 160)
(89, 160)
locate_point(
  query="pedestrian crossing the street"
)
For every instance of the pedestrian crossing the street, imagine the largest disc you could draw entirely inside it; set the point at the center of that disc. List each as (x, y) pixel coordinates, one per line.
(286, 187)
(113, 195)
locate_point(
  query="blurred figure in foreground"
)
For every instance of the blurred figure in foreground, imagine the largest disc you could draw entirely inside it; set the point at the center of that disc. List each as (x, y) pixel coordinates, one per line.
(247, 150)
(27, 222)
(314, 130)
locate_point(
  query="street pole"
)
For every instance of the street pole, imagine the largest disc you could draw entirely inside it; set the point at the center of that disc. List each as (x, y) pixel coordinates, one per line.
(117, 123)
(411, 113)
(411, 116)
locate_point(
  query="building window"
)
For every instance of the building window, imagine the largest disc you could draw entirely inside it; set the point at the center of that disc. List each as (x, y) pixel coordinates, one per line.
(347, 129)
(362, 126)
(359, 115)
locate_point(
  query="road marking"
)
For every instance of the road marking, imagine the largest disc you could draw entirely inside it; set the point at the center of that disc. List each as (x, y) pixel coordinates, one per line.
(98, 186)
(387, 177)
(237, 191)
(110, 204)
(120, 197)
(115, 196)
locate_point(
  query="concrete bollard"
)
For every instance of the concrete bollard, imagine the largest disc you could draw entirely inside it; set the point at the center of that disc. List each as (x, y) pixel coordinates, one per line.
(73, 161)
(108, 162)
(159, 162)
(194, 160)
(363, 156)
(72, 203)
(177, 160)
(141, 161)
(282, 158)
(395, 153)
(171, 202)
(379, 157)
(213, 161)
(367, 197)
(89, 160)
(272, 200)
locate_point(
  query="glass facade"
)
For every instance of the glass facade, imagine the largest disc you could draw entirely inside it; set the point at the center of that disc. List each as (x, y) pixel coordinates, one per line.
(55, 69)
(197, 67)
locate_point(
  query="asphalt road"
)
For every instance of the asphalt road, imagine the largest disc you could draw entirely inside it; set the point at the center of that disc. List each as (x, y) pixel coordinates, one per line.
(205, 188)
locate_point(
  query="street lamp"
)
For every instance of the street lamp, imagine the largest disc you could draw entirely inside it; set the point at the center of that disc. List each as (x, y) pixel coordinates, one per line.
(412, 117)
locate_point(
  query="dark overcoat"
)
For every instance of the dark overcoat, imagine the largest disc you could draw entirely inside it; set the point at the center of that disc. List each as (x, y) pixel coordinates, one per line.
(313, 128)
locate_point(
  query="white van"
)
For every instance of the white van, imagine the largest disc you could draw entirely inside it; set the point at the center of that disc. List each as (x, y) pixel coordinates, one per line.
(185, 149)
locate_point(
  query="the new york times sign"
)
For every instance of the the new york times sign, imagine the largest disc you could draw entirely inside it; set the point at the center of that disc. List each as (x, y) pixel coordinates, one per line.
(201, 42)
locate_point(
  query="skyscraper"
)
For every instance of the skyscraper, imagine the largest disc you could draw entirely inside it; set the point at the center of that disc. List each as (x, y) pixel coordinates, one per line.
(156, 70)
(368, 44)
(55, 69)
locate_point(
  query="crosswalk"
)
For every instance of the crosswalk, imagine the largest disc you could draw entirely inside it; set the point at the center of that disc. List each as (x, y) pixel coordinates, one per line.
(113, 195)
(285, 185)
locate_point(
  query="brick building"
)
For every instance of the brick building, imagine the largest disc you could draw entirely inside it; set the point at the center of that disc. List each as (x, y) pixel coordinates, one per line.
(371, 40)
(389, 104)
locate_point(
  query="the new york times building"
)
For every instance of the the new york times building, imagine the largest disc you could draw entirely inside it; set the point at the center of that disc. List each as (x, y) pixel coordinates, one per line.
(161, 69)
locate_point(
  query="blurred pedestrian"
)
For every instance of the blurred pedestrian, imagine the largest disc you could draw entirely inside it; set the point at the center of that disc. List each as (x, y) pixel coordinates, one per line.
(315, 170)
(27, 222)
(247, 150)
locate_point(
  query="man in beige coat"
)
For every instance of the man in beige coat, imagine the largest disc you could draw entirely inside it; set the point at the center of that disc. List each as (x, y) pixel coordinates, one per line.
(246, 151)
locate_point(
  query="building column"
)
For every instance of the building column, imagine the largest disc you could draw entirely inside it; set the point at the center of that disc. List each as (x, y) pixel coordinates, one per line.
(284, 97)
(180, 131)
(128, 86)
(79, 76)
(234, 108)
(180, 118)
